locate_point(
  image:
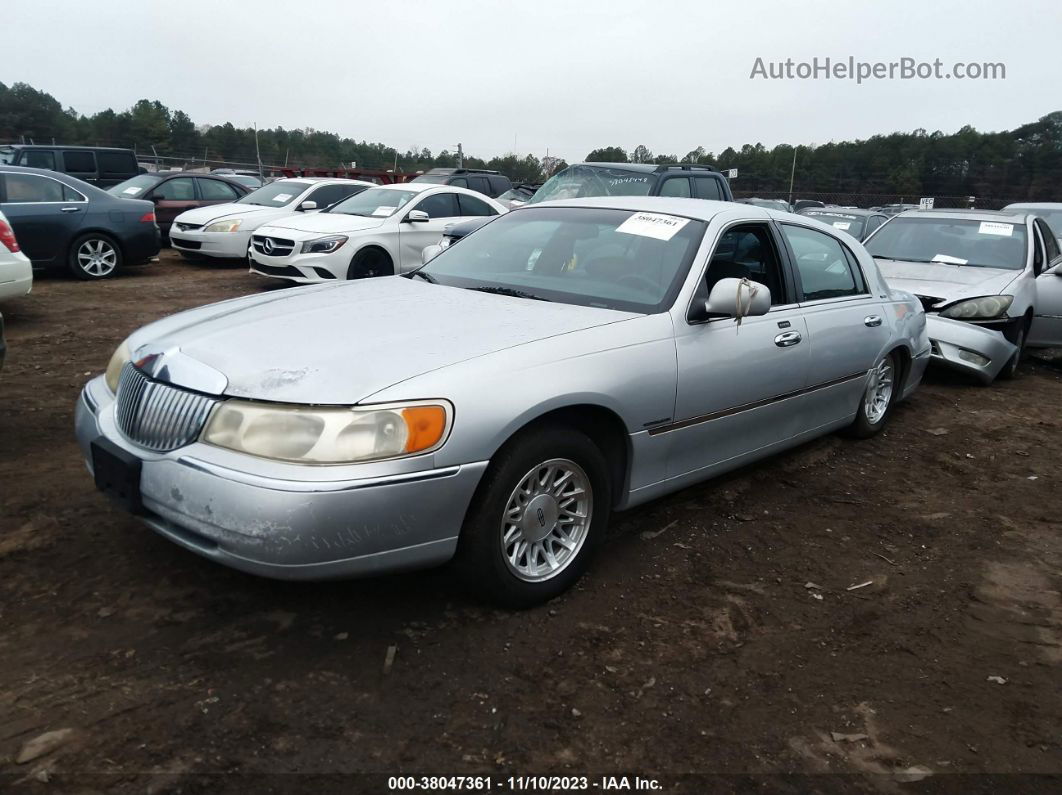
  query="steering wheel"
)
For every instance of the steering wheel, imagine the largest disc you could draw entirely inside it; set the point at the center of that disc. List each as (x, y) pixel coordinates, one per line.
(641, 282)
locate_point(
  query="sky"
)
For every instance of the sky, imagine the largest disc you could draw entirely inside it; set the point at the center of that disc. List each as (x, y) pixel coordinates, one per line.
(542, 75)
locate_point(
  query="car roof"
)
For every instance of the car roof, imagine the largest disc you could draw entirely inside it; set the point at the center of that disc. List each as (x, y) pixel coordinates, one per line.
(839, 211)
(967, 215)
(699, 209)
(652, 168)
(64, 146)
(1034, 206)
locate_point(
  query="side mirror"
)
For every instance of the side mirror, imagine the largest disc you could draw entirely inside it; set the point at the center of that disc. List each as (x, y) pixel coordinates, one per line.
(156, 198)
(735, 298)
(429, 253)
(308, 205)
(417, 217)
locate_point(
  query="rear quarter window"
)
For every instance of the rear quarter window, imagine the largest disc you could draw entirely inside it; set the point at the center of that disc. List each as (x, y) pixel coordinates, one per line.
(116, 164)
(79, 162)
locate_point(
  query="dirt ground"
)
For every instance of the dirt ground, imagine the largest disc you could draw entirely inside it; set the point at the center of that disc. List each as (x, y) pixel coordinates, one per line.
(716, 635)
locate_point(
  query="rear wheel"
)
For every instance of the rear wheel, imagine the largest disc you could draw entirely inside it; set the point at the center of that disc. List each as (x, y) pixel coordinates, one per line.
(878, 398)
(94, 256)
(369, 263)
(537, 519)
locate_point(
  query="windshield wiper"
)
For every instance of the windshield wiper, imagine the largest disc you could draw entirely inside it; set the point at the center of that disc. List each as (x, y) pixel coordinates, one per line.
(425, 276)
(900, 259)
(508, 291)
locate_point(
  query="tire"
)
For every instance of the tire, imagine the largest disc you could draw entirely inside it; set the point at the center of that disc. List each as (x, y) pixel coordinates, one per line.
(878, 398)
(1018, 335)
(369, 263)
(506, 562)
(94, 256)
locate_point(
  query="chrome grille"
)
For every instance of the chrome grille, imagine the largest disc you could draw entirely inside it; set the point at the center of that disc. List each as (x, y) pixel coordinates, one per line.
(158, 416)
(272, 246)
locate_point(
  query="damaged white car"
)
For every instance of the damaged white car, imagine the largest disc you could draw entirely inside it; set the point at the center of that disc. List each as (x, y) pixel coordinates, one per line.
(990, 282)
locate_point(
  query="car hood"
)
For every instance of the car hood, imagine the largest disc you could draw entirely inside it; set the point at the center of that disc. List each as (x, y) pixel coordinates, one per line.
(217, 212)
(339, 344)
(943, 281)
(302, 227)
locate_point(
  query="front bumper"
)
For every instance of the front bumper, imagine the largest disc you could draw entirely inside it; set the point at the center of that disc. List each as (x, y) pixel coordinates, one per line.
(975, 350)
(311, 528)
(301, 268)
(222, 245)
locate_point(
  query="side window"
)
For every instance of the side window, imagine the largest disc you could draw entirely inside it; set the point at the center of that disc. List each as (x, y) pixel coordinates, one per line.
(498, 185)
(37, 159)
(79, 162)
(459, 182)
(857, 271)
(676, 186)
(470, 205)
(747, 252)
(441, 205)
(178, 189)
(479, 184)
(873, 222)
(71, 195)
(116, 164)
(707, 188)
(1050, 243)
(213, 190)
(27, 188)
(821, 263)
(327, 195)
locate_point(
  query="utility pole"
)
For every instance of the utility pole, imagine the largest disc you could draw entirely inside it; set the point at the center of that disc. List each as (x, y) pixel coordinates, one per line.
(257, 153)
(792, 172)
(460, 156)
(156, 157)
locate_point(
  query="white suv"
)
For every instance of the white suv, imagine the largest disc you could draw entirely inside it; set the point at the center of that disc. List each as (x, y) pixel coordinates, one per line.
(16, 272)
(379, 232)
(224, 230)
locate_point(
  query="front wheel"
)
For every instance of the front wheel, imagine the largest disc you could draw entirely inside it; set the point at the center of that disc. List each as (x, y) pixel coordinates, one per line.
(94, 256)
(369, 263)
(878, 398)
(537, 519)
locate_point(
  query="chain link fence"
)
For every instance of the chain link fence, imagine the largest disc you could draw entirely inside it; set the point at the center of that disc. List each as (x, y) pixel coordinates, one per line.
(867, 200)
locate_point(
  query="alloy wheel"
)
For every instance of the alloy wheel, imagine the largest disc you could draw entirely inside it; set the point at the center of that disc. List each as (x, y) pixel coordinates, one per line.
(97, 257)
(879, 391)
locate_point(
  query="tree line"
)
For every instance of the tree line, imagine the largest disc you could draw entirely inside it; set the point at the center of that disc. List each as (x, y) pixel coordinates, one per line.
(1023, 163)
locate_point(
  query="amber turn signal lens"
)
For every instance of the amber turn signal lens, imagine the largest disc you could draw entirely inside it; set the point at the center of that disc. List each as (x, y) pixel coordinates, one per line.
(425, 425)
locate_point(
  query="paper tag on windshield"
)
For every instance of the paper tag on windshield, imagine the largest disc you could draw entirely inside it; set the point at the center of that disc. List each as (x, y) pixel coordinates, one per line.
(661, 227)
(282, 197)
(842, 224)
(384, 210)
(996, 228)
(132, 191)
(949, 260)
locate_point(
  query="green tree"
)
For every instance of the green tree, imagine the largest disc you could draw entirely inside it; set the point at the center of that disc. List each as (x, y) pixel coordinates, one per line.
(610, 154)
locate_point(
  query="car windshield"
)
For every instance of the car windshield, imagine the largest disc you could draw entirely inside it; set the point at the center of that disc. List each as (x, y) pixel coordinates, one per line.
(955, 241)
(132, 188)
(1053, 217)
(852, 224)
(244, 179)
(379, 202)
(275, 194)
(577, 182)
(616, 259)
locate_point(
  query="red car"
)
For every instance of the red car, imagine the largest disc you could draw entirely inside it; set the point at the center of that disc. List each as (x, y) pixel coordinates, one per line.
(173, 192)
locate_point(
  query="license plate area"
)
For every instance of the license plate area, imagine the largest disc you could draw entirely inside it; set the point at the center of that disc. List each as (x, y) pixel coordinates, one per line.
(117, 474)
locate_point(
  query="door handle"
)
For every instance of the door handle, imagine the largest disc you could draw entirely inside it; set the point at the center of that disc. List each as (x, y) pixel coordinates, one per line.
(872, 320)
(787, 339)
(70, 210)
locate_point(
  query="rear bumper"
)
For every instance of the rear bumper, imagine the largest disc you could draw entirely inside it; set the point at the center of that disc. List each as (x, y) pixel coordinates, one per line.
(975, 350)
(142, 245)
(16, 278)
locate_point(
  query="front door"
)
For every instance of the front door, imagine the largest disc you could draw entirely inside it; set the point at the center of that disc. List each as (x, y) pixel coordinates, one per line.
(414, 237)
(172, 198)
(739, 384)
(44, 213)
(1047, 321)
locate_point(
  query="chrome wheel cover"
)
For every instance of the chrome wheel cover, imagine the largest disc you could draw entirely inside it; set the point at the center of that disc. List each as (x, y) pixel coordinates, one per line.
(879, 391)
(97, 257)
(546, 520)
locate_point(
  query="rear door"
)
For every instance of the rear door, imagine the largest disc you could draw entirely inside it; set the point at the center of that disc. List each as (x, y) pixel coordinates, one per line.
(740, 384)
(81, 164)
(44, 213)
(442, 209)
(846, 323)
(1047, 321)
(216, 191)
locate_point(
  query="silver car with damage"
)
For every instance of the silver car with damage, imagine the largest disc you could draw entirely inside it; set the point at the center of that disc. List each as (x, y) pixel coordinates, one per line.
(565, 361)
(990, 281)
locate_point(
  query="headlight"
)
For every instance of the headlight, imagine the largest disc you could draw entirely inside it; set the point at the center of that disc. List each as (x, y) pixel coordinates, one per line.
(309, 435)
(115, 365)
(223, 226)
(986, 308)
(323, 245)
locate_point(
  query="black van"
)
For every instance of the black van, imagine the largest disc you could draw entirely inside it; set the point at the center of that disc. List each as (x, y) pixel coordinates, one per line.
(489, 183)
(98, 165)
(635, 179)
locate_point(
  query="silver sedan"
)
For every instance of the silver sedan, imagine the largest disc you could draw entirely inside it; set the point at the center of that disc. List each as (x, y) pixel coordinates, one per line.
(568, 360)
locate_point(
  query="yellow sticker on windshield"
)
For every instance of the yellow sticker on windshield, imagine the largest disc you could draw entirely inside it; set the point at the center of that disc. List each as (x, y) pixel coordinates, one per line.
(655, 225)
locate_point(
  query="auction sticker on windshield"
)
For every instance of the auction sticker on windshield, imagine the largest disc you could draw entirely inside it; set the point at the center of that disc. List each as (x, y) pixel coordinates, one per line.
(842, 224)
(282, 197)
(995, 228)
(133, 191)
(656, 225)
(384, 210)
